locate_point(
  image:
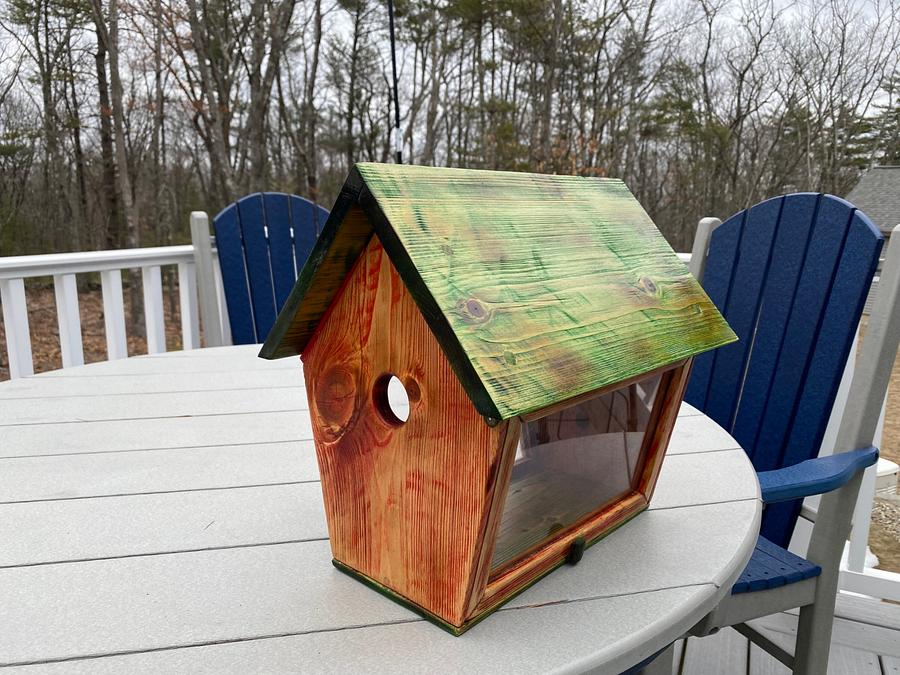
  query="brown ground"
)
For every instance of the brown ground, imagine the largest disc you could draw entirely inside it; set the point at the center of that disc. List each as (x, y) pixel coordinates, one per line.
(884, 533)
(884, 538)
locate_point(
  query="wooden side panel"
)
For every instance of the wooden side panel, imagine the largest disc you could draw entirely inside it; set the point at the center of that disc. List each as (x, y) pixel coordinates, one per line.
(407, 503)
(670, 398)
(494, 514)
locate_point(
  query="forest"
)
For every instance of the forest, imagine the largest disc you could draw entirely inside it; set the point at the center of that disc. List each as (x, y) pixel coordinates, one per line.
(118, 118)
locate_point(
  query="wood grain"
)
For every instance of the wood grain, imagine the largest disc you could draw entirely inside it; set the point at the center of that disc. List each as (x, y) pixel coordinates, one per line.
(539, 288)
(407, 504)
(415, 508)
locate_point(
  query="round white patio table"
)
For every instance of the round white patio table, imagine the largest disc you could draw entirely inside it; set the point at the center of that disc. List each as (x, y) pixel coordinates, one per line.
(163, 514)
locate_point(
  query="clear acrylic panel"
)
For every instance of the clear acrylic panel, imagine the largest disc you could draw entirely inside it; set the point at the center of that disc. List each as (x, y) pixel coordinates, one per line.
(570, 464)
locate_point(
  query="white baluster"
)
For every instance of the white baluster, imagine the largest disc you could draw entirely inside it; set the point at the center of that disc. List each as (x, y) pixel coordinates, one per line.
(223, 305)
(114, 314)
(187, 295)
(15, 320)
(66, 290)
(153, 309)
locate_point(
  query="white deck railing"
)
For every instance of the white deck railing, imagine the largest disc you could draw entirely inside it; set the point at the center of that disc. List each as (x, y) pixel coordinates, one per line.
(199, 278)
(63, 267)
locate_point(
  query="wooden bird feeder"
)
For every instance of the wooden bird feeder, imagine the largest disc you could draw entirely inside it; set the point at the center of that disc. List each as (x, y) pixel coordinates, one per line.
(542, 331)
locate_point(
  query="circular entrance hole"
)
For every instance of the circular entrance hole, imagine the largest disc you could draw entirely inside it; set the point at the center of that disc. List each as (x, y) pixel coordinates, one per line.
(391, 399)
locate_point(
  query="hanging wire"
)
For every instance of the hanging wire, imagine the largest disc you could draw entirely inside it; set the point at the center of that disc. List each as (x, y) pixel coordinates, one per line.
(398, 146)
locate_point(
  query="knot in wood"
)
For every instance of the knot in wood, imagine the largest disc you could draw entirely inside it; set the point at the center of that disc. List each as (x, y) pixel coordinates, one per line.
(412, 389)
(473, 311)
(648, 286)
(335, 396)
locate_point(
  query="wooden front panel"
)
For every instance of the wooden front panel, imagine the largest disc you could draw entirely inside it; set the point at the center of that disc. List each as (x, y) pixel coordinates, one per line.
(408, 503)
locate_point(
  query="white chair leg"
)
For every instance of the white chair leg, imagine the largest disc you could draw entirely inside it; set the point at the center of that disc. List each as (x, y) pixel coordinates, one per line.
(817, 619)
(664, 664)
(813, 639)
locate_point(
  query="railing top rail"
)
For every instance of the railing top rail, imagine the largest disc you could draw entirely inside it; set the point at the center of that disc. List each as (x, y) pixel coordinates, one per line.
(22, 267)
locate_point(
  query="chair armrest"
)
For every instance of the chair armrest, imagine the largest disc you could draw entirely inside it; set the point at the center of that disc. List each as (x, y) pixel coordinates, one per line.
(814, 476)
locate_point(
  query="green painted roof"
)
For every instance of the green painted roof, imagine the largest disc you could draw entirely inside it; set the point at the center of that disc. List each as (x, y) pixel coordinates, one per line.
(538, 288)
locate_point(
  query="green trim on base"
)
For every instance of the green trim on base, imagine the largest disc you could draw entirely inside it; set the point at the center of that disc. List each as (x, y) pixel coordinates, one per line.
(399, 599)
(456, 631)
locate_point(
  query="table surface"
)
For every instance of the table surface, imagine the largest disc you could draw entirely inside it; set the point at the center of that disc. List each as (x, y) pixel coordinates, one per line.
(163, 514)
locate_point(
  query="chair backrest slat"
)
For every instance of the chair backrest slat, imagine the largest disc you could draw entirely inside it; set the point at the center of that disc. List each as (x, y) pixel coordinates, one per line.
(839, 319)
(263, 241)
(808, 299)
(308, 220)
(789, 254)
(747, 285)
(281, 244)
(230, 249)
(252, 218)
(791, 276)
(717, 284)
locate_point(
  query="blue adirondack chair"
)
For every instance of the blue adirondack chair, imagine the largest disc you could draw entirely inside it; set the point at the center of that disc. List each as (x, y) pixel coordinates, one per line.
(263, 241)
(791, 276)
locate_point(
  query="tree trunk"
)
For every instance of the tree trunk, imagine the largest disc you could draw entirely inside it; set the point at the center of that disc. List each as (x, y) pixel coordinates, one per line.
(438, 59)
(110, 36)
(351, 89)
(79, 224)
(545, 161)
(311, 114)
(215, 112)
(112, 221)
(272, 34)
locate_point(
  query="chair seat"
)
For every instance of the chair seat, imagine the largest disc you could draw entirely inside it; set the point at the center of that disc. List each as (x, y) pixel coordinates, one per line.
(771, 566)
